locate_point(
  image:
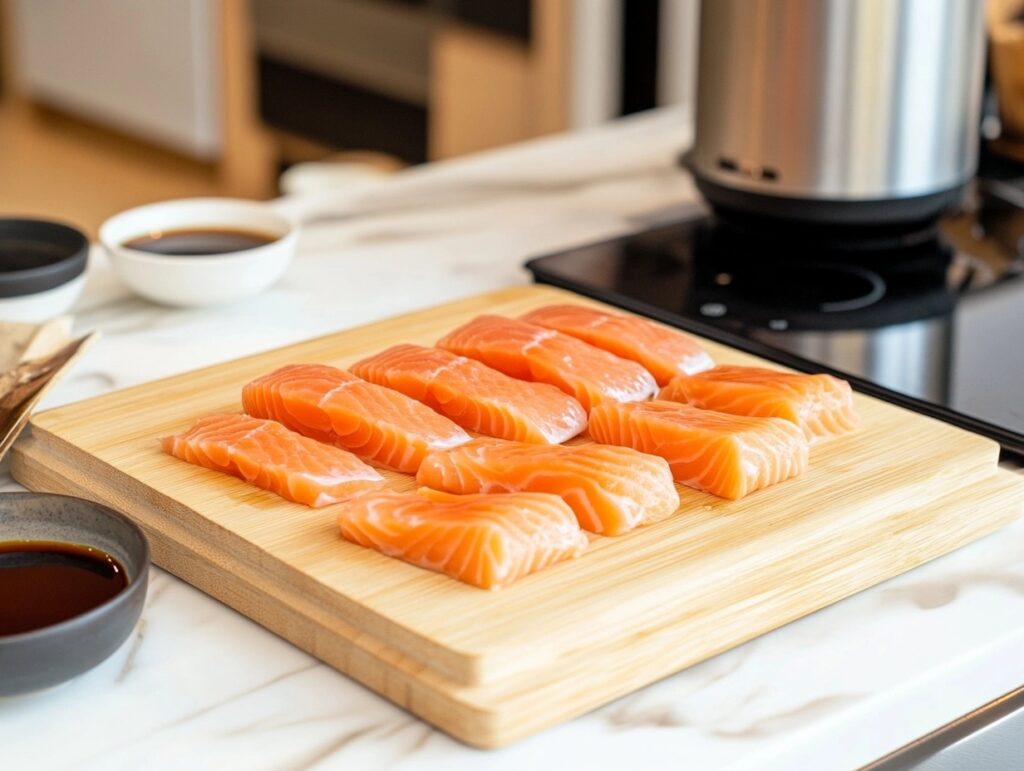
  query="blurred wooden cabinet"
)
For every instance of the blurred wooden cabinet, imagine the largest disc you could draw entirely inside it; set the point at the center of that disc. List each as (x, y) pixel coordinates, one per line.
(488, 90)
(421, 80)
(149, 69)
(1006, 56)
(253, 85)
(177, 74)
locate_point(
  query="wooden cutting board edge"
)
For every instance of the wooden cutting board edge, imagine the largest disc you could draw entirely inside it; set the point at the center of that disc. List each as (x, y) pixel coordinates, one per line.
(498, 714)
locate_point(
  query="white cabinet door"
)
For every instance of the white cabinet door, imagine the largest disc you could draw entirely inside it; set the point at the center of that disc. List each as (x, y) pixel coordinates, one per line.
(145, 67)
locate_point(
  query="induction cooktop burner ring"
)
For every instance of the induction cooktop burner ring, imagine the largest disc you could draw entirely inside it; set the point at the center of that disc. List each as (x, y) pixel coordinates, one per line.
(810, 286)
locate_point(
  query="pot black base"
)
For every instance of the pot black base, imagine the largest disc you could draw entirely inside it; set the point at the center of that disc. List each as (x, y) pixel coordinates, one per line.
(736, 203)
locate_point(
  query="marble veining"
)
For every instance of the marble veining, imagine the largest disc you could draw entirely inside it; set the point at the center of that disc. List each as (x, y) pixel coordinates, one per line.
(200, 686)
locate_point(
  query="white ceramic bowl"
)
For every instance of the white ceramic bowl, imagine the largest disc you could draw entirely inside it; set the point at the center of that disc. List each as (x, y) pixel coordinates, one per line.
(42, 306)
(200, 280)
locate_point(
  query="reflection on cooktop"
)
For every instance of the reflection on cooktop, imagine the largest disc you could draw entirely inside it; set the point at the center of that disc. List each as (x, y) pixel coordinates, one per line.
(933, 314)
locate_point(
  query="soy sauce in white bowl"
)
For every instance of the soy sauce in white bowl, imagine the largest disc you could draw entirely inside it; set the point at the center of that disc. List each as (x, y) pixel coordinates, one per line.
(199, 242)
(200, 251)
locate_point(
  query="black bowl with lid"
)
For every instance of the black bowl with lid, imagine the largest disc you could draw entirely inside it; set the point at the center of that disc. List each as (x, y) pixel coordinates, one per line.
(41, 264)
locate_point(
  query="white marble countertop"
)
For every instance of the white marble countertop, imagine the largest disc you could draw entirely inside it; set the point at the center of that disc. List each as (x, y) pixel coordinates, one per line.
(199, 685)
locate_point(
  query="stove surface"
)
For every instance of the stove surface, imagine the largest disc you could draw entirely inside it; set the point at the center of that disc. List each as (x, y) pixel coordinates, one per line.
(931, 318)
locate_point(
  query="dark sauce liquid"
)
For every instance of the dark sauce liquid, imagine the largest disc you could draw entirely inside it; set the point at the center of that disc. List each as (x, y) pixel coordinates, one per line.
(197, 243)
(43, 582)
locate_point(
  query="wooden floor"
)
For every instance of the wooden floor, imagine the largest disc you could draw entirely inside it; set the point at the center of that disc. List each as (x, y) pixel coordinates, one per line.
(57, 167)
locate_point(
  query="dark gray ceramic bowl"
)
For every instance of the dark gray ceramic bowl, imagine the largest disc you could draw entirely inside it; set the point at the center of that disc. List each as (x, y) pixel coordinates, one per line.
(44, 657)
(37, 255)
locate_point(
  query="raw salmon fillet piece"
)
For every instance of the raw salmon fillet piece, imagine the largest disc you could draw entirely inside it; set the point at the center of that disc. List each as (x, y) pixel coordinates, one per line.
(821, 405)
(334, 406)
(475, 396)
(485, 540)
(611, 489)
(531, 352)
(663, 351)
(268, 455)
(728, 455)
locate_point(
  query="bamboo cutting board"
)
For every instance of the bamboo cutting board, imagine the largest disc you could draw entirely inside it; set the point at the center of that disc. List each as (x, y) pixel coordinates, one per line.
(491, 667)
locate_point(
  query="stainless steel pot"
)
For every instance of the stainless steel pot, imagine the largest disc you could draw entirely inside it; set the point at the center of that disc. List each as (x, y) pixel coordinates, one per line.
(851, 111)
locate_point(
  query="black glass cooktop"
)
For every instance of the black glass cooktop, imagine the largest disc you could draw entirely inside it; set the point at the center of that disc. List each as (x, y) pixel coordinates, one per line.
(931, 318)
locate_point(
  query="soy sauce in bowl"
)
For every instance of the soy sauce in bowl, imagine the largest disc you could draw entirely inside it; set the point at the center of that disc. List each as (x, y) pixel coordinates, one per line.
(46, 582)
(197, 242)
(200, 252)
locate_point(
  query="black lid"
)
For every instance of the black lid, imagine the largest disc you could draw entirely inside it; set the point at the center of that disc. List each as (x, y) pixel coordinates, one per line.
(36, 255)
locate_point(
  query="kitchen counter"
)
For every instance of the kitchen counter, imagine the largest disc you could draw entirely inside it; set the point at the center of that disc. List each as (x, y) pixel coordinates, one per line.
(201, 684)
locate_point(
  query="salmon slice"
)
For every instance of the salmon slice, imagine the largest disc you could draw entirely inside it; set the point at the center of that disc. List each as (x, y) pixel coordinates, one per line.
(821, 405)
(611, 489)
(728, 455)
(268, 455)
(475, 396)
(530, 352)
(334, 406)
(663, 351)
(484, 540)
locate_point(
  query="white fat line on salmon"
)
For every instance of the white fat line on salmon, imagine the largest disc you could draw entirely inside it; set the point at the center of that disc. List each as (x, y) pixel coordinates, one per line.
(640, 390)
(570, 472)
(433, 374)
(339, 387)
(597, 321)
(339, 477)
(696, 362)
(248, 435)
(444, 444)
(539, 337)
